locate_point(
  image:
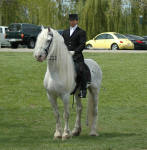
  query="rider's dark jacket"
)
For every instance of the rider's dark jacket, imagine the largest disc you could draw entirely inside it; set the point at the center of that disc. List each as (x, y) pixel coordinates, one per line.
(75, 42)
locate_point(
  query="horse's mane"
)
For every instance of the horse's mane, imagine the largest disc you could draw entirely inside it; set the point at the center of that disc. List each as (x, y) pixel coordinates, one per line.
(63, 63)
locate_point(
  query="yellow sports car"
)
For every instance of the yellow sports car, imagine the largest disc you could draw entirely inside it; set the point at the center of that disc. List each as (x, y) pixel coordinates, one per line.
(110, 40)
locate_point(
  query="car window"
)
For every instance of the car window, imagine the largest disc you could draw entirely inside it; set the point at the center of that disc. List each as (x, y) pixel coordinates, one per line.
(25, 25)
(15, 27)
(120, 36)
(60, 32)
(6, 29)
(135, 37)
(109, 36)
(1, 30)
(128, 37)
(100, 37)
(105, 36)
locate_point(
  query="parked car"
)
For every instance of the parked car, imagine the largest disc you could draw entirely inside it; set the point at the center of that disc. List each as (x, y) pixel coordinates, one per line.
(22, 33)
(110, 40)
(145, 37)
(3, 42)
(139, 42)
(60, 32)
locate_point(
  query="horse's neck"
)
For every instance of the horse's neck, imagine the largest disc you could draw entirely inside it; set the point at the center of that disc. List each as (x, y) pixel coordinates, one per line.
(52, 63)
(60, 61)
(61, 69)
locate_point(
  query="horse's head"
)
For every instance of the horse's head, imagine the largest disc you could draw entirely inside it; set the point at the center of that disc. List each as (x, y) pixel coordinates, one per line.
(43, 43)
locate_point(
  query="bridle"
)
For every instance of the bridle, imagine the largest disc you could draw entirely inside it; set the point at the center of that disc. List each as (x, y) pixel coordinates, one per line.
(50, 42)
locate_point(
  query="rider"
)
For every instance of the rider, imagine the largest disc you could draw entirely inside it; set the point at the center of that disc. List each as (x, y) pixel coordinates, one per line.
(75, 39)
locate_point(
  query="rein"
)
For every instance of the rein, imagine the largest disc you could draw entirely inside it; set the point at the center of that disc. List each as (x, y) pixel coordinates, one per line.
(46, 50)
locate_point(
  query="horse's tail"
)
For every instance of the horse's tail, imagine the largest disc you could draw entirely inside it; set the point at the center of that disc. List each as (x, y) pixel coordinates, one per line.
(90, 109)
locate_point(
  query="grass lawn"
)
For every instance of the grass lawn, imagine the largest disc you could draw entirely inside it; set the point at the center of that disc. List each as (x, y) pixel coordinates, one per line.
(26, 117)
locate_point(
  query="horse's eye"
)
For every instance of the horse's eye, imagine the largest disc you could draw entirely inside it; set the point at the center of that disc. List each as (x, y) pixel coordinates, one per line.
(48, 40)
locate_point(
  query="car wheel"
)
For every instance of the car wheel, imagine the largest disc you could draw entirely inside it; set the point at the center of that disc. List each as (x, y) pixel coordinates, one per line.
(114, 47)
(14, 45)
(31, 44)
(88, 46)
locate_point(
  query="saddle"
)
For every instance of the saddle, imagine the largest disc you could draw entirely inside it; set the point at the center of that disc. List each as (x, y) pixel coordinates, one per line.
(83, 73)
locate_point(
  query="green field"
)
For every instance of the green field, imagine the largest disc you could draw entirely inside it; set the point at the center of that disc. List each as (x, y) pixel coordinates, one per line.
(26, 117)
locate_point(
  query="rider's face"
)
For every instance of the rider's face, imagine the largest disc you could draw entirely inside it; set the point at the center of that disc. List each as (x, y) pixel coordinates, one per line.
(73, 22)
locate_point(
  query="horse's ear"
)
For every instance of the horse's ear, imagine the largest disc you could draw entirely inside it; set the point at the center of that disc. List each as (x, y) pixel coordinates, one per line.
(49, 29)
(42, 27)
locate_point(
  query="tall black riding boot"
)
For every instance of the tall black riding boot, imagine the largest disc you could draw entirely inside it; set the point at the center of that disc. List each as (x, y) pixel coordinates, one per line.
(83, 93)
(83, 88)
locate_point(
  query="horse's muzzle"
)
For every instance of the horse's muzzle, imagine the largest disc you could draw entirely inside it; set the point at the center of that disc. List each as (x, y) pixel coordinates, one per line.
(40, 58)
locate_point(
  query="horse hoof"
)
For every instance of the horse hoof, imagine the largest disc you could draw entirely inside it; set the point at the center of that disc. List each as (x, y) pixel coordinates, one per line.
(57, 135)
(76, 132)
(94, 134)
(66, 136)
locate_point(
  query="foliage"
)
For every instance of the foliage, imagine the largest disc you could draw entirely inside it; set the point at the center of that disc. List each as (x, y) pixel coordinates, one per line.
(113, 15)
(46, 12)
(96, 16)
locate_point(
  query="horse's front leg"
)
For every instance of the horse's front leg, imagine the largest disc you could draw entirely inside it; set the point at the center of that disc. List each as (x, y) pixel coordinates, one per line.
(66, 134)
(53, 100)
(77, 129)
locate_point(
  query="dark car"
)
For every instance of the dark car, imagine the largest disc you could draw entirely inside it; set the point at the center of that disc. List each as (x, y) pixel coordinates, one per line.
(60, 32)
(139, 42)
(22, 33)
(145, 37)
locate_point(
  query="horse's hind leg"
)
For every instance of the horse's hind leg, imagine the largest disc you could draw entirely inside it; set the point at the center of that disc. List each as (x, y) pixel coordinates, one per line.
(58, 132)
(77, 129)
(93, 104)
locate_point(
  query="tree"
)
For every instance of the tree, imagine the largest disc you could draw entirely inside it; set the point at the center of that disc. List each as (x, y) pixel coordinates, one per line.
(96, 16)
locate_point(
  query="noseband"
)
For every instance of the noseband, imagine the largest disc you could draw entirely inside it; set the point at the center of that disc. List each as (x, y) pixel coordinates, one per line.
(50, 42)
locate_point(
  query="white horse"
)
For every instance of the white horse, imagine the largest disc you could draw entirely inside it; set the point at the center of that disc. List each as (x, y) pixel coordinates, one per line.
(59, 81)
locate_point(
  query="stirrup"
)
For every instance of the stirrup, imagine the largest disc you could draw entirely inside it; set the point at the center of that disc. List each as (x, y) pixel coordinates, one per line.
(82, 93)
